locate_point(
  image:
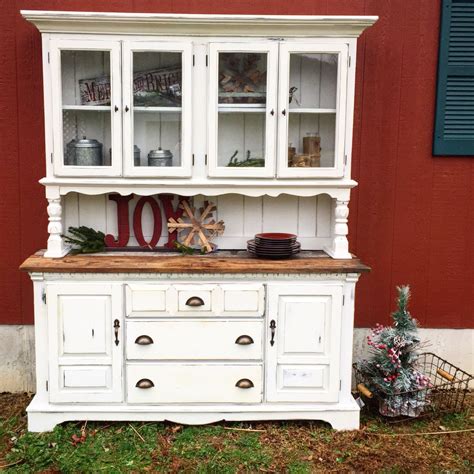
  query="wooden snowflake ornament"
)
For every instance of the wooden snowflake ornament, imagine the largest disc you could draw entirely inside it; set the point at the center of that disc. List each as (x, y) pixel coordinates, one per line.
(195, 228)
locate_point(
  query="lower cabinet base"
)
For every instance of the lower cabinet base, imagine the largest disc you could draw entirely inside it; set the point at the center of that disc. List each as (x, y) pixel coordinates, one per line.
(44, 417)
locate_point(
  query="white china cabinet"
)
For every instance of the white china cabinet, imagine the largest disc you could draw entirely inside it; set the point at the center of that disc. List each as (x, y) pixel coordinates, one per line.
(256, 111)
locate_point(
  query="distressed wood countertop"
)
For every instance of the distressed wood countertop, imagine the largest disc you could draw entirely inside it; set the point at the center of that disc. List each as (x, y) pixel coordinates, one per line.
(226, 261)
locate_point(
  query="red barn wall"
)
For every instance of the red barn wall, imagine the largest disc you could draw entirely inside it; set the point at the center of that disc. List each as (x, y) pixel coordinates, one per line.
(411, 218)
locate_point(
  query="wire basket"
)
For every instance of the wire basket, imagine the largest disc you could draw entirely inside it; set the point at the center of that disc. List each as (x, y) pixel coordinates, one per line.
(445, 393)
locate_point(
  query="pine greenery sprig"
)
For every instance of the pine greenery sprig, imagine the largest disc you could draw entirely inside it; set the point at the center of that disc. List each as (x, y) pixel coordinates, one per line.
(85, 240)
(403, 320)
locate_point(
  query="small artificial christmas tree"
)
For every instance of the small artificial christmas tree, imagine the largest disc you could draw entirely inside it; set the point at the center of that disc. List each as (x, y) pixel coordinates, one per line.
(391, 372)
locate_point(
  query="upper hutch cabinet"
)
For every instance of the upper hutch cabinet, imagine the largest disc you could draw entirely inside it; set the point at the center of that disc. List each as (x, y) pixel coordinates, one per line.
(198, 104)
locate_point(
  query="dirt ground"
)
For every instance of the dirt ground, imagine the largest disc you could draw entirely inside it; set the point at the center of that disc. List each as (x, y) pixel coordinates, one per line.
(296, 447)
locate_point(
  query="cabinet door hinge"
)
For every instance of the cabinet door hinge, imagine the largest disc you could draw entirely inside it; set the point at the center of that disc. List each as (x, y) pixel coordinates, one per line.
(193, 159)
(51, 157)
(340, 385)
(205, 159)
(47, 386)
(207, 59)
(349, 61)
(345, 160)
(194, 59)
(43, 296)
(343, 300)
(49, 58)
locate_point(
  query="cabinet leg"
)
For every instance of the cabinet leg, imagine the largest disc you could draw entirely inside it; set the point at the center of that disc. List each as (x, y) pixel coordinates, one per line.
(56, 246)
(345, 420)
(339, 247)
(40, 422)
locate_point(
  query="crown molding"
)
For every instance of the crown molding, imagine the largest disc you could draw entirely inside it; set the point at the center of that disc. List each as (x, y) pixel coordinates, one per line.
(197, 25)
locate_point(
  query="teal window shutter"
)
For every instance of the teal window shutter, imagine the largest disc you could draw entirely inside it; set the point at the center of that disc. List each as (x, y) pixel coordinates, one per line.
(454, 121)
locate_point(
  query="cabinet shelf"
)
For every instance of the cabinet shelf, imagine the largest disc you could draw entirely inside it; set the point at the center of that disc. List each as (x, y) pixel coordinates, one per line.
(312, 111)
(85, 108)
(157, 109)
(242, 108)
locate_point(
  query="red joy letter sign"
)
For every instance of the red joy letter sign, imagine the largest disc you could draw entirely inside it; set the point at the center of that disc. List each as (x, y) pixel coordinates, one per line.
(137, 221)
(122, 222)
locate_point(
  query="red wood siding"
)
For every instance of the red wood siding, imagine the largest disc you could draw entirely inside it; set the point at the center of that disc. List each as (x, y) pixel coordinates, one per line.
(412, 216)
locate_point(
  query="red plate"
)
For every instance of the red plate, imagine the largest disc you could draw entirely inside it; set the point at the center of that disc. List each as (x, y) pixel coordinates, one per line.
(271, 257)
(273, 247)
(275, 236)
(258, 248)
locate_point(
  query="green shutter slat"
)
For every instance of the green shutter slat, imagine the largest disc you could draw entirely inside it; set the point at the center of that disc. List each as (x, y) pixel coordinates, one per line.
(454, 119)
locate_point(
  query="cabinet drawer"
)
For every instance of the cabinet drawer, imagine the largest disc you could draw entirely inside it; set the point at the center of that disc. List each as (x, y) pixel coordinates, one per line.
(197, 299)
(149, 300)
(204, 339)
(194, 383)
(243, 300)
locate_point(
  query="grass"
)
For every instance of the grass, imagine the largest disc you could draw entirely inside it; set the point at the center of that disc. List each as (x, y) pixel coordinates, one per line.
(290, 447)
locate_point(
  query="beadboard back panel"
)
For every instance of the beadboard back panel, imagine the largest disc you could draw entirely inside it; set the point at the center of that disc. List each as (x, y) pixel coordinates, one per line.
(308, 217)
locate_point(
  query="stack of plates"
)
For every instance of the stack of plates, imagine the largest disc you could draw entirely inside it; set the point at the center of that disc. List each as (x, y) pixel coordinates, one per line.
(273, 245)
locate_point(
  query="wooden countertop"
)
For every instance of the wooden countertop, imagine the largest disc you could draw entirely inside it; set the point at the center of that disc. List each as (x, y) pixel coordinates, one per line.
(238, 261)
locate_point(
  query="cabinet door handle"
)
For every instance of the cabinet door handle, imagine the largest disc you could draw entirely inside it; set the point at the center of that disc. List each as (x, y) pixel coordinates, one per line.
(116, 108)
(144, 383)
(272, 112)
(126, 108)
(195, 301)
(144, 340)
(244, 340)
(283, 112)
(116, 331)
(272, 329)
(244, 383)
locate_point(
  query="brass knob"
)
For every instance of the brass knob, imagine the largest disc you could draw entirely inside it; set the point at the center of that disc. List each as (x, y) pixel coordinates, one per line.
(244, 340)
(144, 383)
(195, 301)
(244, 383)
(144, 340)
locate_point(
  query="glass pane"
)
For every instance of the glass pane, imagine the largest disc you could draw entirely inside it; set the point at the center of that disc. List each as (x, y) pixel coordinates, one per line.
(155, 130)
(86, 138)
(157, 95)
(242, 107)
(241, 139)
(313, 81)
(85, 80)
(311, 140)
(85, 77)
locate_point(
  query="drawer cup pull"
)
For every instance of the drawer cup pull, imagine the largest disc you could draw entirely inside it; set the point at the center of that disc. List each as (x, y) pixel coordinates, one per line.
(144, 340)
(144, 383)
(244, 383)
(244, 340)
(195, 301)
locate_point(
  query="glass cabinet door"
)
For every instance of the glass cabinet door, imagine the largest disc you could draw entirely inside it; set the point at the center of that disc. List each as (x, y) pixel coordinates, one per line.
(242, 109)
(157, 108)
(86, 98)
(312, 101)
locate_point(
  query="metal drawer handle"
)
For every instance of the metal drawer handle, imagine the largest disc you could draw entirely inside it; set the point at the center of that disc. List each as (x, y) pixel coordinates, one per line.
(144, 340)
(195, 301)
(244, 383)
(144, 383)
(244, 340)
